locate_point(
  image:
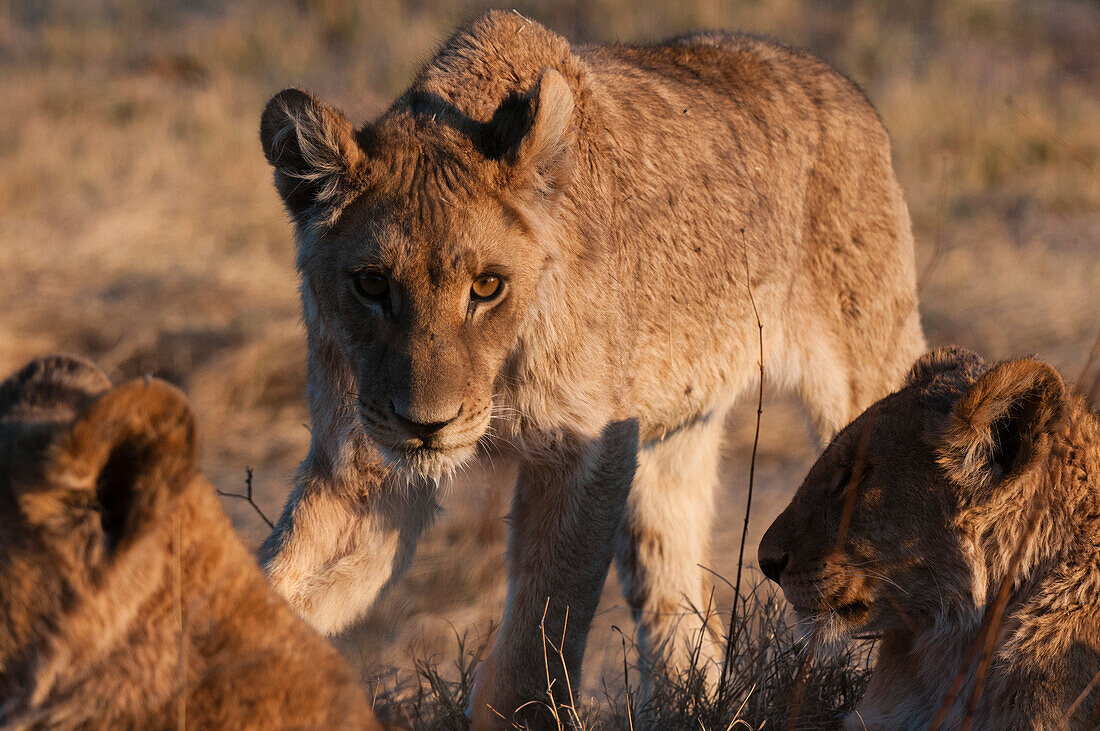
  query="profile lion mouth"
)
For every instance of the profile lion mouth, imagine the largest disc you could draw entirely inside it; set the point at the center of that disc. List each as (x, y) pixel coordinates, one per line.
(854, 611)
(848, 605)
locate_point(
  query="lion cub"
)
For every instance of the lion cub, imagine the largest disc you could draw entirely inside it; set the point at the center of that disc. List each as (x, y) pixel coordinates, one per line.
(126, 600)
(968, 499)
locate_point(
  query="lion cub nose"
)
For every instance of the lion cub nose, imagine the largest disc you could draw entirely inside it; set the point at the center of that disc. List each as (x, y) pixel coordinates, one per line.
(422, 428)
(773, 567)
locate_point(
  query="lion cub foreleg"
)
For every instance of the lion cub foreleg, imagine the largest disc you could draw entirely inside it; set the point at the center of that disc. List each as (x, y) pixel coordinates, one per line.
(567, 509)
(343, 537)
(661, 545)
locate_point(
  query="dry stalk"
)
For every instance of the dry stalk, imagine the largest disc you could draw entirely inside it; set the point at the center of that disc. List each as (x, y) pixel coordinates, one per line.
(1079, 155)
(626, 681)
(181, 662)
(546, 666)
(941, 219)
(1081, 699)
(732, 634)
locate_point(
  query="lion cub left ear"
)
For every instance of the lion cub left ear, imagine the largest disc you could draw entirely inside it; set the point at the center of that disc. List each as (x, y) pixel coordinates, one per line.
(537, 131)
(1003, 425)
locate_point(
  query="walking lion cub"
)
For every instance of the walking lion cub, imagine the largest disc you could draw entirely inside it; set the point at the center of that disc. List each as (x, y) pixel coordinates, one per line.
(968, 500)
(126, 600)
(551, 255)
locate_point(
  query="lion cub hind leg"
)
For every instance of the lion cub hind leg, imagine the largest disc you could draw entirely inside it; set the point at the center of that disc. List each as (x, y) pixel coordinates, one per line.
(662, 542)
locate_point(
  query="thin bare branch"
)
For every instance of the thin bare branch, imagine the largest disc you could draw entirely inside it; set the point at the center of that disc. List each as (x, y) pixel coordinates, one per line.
(248, 497)
(941, 220)
(731, 636)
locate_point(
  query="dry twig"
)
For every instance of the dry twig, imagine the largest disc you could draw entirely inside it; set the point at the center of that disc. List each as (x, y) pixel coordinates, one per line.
(731, 636)
(248, 497)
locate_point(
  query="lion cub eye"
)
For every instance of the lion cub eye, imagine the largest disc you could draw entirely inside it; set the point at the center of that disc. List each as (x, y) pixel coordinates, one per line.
(486, 286)
(371, 285)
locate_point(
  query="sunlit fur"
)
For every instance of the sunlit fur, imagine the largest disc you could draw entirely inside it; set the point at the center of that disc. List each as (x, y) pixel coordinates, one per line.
(126, 599)
(970, 476)
(631, 199)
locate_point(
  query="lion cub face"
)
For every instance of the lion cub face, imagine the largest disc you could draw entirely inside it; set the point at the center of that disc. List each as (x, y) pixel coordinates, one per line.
(878, 537)
(85, 474)
(423, 239)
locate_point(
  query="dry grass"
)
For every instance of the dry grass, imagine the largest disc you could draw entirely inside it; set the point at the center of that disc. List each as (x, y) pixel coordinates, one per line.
(769, 658)
(139, 226)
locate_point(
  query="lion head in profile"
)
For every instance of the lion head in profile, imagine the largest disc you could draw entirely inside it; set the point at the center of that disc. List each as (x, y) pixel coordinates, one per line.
(887, 532)
(423, 242)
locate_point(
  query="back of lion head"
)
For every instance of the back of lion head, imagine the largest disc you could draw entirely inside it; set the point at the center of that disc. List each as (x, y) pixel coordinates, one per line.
(85, 473)
(100, 500)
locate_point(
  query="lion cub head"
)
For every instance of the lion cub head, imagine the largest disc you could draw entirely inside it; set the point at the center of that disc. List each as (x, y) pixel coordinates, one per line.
(85, 474)
(126, 600)
(423, 239)
(886, 533)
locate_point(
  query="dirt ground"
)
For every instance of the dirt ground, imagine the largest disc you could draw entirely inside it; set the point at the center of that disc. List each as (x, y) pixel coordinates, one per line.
(139, 225)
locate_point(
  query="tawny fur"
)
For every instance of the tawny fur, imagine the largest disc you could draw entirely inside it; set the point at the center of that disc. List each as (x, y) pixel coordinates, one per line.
(126, 599)
(968, 480)
(629, 198)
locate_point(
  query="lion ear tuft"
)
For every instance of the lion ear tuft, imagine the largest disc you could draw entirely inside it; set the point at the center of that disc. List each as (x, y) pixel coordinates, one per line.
(1003, 425)
(536, 132)
(313, 149)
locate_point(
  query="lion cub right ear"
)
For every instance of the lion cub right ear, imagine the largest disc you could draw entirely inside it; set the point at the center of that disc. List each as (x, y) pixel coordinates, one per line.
(312, 147)
(123, 464)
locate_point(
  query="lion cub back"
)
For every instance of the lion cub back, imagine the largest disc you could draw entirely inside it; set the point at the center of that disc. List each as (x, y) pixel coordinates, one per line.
(126, 599)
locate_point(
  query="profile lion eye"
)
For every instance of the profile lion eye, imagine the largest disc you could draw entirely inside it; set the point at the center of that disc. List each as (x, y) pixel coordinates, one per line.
(371, 285)
(485, 286)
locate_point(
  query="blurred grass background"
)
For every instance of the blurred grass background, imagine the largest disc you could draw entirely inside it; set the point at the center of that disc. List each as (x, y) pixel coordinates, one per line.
(139, 225)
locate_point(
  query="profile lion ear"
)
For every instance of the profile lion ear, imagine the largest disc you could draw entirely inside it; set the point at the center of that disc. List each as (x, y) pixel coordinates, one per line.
(55, 384)
(134, 449)
(942, 361)
(536, 131)
(318, 163)
(1003, 425)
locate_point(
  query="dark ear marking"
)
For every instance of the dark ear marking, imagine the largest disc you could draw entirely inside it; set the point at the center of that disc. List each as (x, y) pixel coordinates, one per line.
(56, 385)
(135, 446)
(533, 132)
(312, 147)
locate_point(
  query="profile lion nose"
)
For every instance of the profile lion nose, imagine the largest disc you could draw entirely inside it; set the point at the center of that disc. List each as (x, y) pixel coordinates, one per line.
(422, 429)
(773, 566)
